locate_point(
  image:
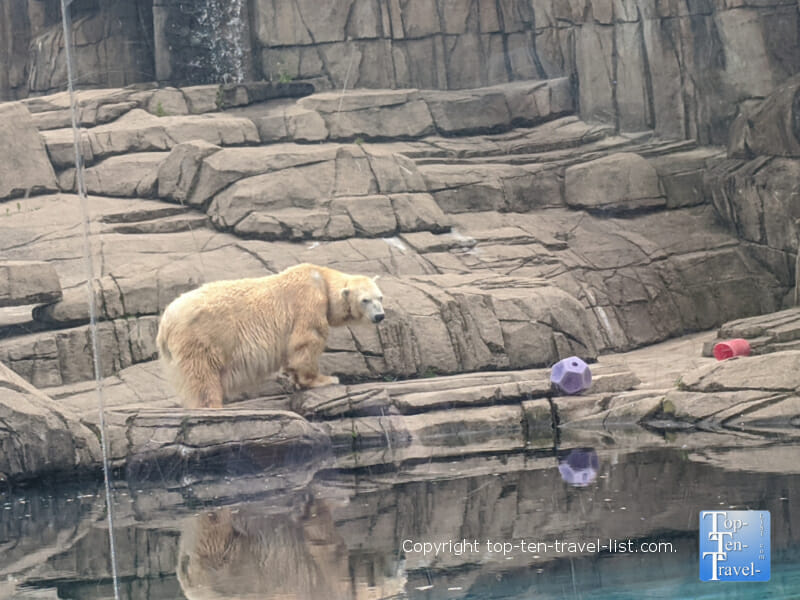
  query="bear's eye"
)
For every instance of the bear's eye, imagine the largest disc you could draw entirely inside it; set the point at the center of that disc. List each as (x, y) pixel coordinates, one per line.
(365, 300)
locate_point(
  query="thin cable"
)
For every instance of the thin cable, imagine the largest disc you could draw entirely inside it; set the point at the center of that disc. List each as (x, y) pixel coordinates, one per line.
(339, 112)
(65, 18)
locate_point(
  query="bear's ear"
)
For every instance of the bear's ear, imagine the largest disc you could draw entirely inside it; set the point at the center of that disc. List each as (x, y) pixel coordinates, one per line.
(345, 293)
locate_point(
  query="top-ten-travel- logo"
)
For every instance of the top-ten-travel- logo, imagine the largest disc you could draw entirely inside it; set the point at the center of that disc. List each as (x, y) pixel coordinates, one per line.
(734, 545)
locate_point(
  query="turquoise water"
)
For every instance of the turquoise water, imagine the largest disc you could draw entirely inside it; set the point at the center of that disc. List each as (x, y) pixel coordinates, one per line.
(318, 530)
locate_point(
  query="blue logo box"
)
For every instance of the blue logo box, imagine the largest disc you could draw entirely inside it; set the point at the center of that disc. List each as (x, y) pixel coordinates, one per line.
(734, 545)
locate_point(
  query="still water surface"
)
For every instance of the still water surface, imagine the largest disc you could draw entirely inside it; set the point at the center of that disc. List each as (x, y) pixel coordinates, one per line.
(318, 531)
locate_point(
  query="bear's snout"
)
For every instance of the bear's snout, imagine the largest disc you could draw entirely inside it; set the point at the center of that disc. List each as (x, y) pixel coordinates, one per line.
(378, 317)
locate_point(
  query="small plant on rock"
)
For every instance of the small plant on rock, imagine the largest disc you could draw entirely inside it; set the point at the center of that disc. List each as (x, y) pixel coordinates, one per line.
(430, 372)
(160, 112)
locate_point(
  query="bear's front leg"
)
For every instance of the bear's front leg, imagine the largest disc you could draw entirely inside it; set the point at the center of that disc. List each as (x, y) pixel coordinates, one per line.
(305, 348)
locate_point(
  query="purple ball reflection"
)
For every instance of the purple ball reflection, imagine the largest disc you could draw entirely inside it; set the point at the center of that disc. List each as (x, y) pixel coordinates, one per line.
(579, 467)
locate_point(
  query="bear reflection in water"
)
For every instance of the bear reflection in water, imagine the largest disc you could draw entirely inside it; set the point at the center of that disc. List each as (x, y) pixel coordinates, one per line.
(243, 554)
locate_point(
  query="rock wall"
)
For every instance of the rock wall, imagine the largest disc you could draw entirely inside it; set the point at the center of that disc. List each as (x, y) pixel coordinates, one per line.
(756, 191)
(680, 67)
(20, 22)
(113, 45)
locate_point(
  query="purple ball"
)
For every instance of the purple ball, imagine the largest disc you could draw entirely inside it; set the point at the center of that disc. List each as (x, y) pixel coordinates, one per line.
(571, 376)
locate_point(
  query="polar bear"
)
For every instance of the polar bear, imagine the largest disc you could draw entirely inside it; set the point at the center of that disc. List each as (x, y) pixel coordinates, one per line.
(226, 336)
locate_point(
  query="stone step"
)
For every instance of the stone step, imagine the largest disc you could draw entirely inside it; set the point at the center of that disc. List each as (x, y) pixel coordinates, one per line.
(119, 121)
(459, 391)
(761, 325)
(99, 106)
(527, 182)
(772, 332)
(560, 134)
(408, 114)
(342, 218)
(140, 131)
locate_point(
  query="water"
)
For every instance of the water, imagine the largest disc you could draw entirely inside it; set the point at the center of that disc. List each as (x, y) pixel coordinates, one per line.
(316, 530)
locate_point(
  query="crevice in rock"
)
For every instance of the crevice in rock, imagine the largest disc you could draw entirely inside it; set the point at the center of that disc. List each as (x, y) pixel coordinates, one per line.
(650, 116)
(615, 72)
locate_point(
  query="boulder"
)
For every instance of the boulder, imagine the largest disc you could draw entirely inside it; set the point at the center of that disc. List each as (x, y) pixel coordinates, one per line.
(620, 183)
(167, 102)
(304, 177)
(130, 175)
(758, 199)
(682, 175)
(24, 166)
(178, 173)
(28, 282)
(219, 169)
(47, 438)
(770, 127)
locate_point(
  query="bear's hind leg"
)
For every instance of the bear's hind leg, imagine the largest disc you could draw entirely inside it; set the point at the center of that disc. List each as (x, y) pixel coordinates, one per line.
(303, 363)
(202, 387)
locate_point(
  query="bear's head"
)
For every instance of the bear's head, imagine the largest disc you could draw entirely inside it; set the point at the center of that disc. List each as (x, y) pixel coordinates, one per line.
(364, 299)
